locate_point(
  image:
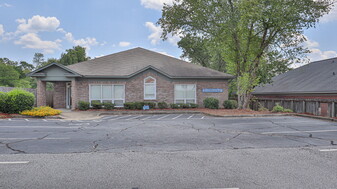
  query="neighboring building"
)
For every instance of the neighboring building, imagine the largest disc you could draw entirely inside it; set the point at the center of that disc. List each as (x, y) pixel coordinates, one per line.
(311, 88)
(133, 75)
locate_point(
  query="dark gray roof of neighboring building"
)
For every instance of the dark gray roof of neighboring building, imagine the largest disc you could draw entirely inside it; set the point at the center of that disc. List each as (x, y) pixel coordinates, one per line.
(128, 63)
(315, 77)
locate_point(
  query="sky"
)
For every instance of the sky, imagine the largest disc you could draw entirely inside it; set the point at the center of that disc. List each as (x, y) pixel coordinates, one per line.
(109, 26)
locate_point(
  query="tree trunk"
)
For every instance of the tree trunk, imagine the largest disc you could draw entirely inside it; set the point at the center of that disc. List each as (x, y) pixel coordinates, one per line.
(243, 99)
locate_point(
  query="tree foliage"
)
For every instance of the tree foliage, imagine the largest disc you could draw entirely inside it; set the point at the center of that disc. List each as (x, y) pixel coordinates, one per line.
(74, 55)
(256, 38)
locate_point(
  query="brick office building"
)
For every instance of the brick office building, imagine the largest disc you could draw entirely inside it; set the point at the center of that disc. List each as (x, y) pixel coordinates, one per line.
(133, 75)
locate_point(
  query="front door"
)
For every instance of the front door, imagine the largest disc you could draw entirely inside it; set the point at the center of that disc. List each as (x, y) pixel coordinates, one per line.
(68, 95)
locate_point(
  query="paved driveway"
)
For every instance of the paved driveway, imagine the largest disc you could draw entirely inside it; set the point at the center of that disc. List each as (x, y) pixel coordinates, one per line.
(171, 132)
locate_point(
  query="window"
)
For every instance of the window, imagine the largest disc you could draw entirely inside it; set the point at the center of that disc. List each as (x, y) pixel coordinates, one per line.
(184, 94)
(108, 93)
(149, 88)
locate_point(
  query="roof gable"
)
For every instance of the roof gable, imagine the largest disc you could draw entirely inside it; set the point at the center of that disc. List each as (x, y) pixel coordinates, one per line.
(54, 72)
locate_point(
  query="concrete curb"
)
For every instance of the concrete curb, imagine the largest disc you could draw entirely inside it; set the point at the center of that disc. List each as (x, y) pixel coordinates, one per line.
(249, 115)
(316, 117)
(149, 112)
(33, 117)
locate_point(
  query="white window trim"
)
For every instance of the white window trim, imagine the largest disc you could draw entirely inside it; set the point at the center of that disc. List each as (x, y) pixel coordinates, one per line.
(113, 94)
(155, 88)
(185, 99)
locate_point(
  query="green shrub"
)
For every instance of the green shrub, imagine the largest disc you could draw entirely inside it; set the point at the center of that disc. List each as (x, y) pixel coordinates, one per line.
(3, 101)
(108, 105)
(82, 105)
(138, 105)
(96, 104)
(192, 105)
(129, 106)
(162, 105)
(19, 100)
(287, 110)
(278, 108)
(152, 105)
(174, 106)
(211, 103)
(230, 104)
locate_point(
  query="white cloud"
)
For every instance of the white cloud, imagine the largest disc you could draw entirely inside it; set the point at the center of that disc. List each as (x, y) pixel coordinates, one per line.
(156, 34)
(124, 44)
(33, 41)
(2, 30)
(5, 5)
(87, 42)
(155, 4)
(37, 24)
(315, 53)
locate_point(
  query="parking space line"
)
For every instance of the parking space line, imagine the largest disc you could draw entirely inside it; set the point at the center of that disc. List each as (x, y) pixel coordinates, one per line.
(26, 119)
(190, 116)
(177, 116)
(9, 119)
(120, 117)
(14, 162)
(34, 138)
(289, 132)
(203, 117)
(163, 117)
(134, 117)
(146, 118)
(328, 150)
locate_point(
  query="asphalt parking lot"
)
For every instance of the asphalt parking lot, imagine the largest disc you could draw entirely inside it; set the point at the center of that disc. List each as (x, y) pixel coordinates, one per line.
(164, 132)
(168, 151)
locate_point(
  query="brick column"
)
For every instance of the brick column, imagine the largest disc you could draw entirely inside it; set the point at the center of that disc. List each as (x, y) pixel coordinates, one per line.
(41, 93)
(73, 94)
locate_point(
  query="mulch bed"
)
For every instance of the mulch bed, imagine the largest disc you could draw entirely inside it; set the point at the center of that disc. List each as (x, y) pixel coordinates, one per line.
(4, 116)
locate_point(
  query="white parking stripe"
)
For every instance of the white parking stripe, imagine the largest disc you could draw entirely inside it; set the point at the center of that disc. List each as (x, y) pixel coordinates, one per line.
(202, 117)
(190, 116)
(14, 162)
(134, 117)
(285, 132)
(177, 116)
(147, 117)
(9, 119)
(34, 138)
(163, 117)
(26, 119)
(328, 150)
(44, 120)
(120, 117)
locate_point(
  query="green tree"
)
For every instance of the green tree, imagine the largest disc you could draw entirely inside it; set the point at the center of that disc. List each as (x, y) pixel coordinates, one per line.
(8, 75)
(255, 37)
(38, 60)
(74, 55)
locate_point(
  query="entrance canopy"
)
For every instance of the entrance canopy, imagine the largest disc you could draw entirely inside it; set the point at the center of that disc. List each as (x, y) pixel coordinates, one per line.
(54, 72)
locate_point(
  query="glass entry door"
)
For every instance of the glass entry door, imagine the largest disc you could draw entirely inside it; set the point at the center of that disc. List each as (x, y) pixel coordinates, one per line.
(68, 95)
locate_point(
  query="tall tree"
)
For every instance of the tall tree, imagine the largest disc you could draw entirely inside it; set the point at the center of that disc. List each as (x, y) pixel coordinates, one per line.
(38, 59)
(74, 55)
(254, 36)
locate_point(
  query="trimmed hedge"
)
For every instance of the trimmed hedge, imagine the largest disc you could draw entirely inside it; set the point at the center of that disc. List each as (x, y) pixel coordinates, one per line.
(162, 105)
(96, 104)
(16, 101)
(108, 105)
(3, 101)
(182, 105)
(211, 103)
(230, 104)
(138, 105)
(82, 105)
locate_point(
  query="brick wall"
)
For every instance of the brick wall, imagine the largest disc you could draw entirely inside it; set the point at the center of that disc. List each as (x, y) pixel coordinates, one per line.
(134, 87)
(41, 93)
(59, 97)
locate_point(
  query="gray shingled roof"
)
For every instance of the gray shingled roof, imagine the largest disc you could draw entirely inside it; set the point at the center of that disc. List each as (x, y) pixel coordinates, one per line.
(128, 63)
(316, 77)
